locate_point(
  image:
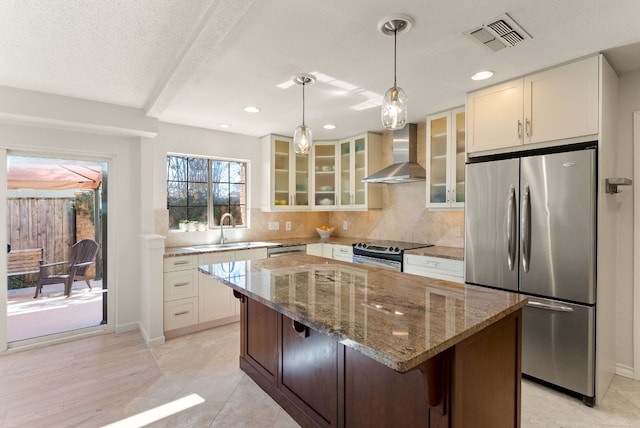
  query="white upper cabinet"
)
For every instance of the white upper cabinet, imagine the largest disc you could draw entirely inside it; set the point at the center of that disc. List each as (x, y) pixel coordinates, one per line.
(555, 104)
(445, 159)
(359, 156)
(325, 177)
(329, 178)
(287, 179)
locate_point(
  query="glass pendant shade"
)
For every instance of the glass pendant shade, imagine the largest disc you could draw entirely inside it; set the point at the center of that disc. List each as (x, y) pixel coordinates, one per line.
(302, 140)
(302, 136)
(394, 109)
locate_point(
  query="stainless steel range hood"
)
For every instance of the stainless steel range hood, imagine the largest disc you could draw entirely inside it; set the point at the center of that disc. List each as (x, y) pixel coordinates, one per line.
(405, 167)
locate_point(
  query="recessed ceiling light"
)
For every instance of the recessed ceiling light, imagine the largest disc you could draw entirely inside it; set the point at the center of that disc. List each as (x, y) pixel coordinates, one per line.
(329, 126)
(482, 75)
(224, 125)
(251, 109)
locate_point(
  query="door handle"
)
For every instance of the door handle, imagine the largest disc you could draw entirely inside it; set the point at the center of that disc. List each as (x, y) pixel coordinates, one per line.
(549, 307)
(525, 229)
(527, 127)
(511, 228)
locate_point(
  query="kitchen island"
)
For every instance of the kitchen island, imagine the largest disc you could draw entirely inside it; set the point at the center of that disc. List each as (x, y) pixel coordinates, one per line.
(342, 345)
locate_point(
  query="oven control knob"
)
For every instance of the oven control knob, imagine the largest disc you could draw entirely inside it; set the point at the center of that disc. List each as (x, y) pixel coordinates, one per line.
(397, 250)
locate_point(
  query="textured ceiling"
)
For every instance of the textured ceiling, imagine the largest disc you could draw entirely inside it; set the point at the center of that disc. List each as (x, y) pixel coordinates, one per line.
(200, 62)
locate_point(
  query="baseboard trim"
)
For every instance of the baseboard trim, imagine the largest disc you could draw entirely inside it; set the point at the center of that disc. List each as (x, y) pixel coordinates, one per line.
(624, 370)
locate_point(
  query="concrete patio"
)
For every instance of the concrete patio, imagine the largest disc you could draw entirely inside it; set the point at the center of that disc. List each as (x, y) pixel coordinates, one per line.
(52, 312)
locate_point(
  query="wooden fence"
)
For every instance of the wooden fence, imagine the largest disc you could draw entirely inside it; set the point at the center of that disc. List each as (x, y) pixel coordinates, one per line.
(47, 223)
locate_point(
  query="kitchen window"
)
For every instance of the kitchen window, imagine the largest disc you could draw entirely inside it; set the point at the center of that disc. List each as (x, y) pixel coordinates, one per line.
(201, 190)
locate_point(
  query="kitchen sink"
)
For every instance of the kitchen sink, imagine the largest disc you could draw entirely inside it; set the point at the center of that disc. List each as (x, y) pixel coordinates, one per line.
(232, 246)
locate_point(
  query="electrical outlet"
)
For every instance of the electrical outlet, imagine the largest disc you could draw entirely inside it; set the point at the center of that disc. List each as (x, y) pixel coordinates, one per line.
(287, 225)
(274, 225)
(345, 225)
(456, 231)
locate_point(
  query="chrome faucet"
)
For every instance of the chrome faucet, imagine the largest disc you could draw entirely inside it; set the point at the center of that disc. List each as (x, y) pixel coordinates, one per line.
(232, 222)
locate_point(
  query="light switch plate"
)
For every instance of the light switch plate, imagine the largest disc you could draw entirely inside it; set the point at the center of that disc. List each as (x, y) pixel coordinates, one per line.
(274, 225)
(456, 231)
(345, 225)
(287, 225)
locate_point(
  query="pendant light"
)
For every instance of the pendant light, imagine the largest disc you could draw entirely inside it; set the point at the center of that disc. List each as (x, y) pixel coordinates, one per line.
(394, 104)
(303, 137)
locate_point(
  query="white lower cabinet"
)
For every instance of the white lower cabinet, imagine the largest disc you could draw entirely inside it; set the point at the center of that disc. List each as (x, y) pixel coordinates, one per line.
(331, 251)
(315, 249)
(343, 253)
(434, 267)
(193, 299)
(180, 313)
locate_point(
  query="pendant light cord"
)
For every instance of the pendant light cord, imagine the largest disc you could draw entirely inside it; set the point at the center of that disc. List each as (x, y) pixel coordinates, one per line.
(303, 83)
(395, 44)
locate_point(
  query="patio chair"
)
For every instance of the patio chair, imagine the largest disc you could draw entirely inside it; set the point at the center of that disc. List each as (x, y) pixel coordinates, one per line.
(83, 255)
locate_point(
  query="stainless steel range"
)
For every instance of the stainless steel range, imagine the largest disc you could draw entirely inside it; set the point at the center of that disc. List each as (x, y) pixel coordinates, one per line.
(385, 254)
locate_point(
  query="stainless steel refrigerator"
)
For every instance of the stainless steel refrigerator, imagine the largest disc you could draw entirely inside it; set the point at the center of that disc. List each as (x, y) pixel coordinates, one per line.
(530, 226)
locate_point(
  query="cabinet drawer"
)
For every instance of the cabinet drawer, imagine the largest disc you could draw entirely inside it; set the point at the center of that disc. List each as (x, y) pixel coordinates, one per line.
(180, 285)
(434, 267)
(180, 313)
(172, 264)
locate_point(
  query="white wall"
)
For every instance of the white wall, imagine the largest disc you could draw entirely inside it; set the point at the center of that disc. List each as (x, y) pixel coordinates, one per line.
(629, 101)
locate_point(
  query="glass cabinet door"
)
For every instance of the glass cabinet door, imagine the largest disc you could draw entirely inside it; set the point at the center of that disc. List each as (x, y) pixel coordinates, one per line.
(302, 180)
(281, 169)
(360, 165)
(324, 156)
(345, 172)
(438, 160)
(460, 157)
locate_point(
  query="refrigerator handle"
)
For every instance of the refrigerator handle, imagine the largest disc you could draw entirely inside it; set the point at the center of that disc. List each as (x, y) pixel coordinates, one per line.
(525, 229)
(556, 308)
(511, 228)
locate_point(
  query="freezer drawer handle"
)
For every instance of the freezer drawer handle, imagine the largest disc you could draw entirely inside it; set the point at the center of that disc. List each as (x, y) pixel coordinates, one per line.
(556, 308)
(525, 228)
(511, 228)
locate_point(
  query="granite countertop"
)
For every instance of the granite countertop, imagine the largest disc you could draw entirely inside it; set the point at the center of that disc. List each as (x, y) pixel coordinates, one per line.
(397, 319)
(437, 251)
(229, 246)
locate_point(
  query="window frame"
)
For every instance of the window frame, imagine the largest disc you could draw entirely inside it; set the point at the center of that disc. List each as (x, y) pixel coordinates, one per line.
(211, 219)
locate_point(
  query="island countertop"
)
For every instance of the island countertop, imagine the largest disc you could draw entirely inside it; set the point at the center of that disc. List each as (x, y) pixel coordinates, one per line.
(396, 319)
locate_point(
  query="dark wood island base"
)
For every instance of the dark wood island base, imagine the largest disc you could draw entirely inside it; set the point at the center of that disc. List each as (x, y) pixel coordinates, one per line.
(321, 382)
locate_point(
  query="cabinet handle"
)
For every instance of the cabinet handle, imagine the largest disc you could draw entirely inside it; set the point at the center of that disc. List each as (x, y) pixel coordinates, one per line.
(527, 127)
(301, 329)
(180, 284)
(182, 262)
(181, 313)
(519, 129)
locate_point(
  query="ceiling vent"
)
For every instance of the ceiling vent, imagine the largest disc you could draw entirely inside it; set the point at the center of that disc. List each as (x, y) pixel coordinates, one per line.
(502, 32)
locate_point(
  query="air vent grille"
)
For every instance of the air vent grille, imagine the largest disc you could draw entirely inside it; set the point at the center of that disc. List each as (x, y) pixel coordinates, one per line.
(501, 33)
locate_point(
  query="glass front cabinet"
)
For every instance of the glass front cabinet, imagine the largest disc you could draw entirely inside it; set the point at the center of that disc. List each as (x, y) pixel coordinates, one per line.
(446, 159)
(289, 184)
(359, 157)
(329, 178)
(325, 178)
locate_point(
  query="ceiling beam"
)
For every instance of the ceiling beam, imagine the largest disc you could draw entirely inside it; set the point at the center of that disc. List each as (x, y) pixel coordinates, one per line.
(214, 26)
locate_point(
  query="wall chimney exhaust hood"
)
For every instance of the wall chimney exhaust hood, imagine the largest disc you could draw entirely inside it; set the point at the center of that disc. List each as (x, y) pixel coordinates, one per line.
(405, 167)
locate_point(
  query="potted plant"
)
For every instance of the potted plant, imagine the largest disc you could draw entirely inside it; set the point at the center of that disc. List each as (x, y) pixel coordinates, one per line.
(183, 224)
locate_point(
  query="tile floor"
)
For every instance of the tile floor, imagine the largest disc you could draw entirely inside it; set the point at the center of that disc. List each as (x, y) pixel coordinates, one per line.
(113, 379)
